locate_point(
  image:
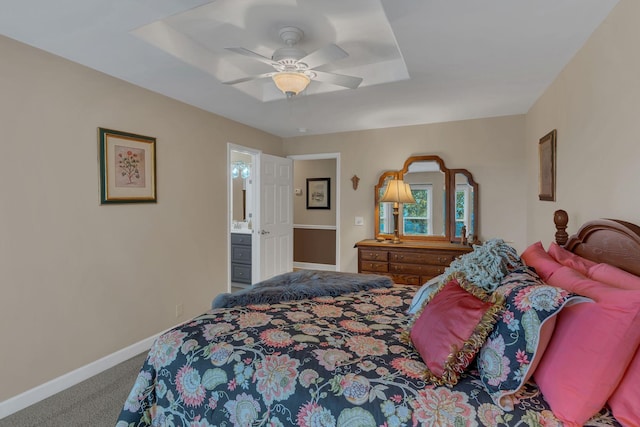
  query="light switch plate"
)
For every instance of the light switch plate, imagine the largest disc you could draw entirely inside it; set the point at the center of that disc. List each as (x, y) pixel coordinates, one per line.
(359, 220)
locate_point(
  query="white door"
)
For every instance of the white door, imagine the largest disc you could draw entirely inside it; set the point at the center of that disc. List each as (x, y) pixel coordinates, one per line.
(275, 232)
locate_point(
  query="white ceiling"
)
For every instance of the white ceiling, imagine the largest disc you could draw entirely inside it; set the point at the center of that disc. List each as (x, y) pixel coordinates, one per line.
(422, 61)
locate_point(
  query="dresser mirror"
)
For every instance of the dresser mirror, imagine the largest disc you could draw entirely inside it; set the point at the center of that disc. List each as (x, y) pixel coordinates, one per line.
(465, 208)
(446, 202)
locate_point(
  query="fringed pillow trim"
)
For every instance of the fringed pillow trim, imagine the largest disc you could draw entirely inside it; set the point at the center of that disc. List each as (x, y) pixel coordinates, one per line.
(459, 359)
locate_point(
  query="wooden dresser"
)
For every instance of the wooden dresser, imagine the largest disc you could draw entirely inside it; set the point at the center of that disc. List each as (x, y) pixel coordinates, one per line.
(409, 262)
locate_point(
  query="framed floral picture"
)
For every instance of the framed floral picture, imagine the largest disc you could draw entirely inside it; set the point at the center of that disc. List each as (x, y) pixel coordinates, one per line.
(318, 193)
(127, 167)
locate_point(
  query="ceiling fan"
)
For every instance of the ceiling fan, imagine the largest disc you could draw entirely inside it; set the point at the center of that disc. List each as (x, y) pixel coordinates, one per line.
(294, 68)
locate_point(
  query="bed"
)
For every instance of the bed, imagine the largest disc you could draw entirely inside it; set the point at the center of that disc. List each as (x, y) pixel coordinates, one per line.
(348, 359)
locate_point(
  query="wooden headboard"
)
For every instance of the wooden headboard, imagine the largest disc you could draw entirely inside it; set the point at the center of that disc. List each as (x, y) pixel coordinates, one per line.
(608, 241)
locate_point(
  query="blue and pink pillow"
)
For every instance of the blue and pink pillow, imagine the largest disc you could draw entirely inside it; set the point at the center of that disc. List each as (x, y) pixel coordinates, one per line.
(511, 353)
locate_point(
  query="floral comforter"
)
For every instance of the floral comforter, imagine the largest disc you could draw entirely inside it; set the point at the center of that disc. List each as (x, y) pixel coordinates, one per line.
(328, 361)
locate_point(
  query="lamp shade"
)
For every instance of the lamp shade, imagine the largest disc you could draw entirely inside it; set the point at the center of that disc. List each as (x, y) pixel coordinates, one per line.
(398, 191)
(291, 83)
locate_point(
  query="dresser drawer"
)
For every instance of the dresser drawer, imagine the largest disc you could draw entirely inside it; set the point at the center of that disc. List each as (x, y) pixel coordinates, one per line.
(241, 254)
(240, 239)
(406, 279)
(420, 269)
(438, 258)
(374, 266)
(374, 255)
(241, 273)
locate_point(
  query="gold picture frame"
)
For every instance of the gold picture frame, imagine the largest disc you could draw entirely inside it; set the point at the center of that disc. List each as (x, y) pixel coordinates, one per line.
(547, 174)
(127, 167)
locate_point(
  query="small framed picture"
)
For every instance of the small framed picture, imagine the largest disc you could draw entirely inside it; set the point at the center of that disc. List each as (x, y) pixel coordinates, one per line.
(547, 178)
(127, 167)
(318, 193)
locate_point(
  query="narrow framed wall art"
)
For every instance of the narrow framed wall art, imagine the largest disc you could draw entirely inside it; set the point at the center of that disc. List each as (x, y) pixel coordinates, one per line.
(127, 167)
(547, 174)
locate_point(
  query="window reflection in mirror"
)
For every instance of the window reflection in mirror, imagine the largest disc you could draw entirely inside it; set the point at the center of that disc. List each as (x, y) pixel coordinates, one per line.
(428, 185)
(417, 218)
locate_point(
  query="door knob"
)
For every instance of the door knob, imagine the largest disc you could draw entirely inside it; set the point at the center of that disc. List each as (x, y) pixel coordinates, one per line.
(263, 232)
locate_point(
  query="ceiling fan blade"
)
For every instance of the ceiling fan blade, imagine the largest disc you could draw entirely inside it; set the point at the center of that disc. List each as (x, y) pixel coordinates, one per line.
(246, 79)
(329, 53)
(338, 79)
(251, 54)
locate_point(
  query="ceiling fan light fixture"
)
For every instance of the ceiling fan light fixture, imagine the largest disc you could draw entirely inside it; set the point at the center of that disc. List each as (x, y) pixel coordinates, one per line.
(291, 83)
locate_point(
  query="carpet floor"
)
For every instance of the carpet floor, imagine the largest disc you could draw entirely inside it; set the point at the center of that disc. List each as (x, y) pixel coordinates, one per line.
(95, 402)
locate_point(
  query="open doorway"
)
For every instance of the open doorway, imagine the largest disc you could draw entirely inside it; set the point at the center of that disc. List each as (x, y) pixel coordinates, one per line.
(316, 230)
(242, 205)
(260, 216)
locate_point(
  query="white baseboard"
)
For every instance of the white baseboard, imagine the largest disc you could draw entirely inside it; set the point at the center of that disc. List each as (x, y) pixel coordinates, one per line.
(312, 266)
(56, 385)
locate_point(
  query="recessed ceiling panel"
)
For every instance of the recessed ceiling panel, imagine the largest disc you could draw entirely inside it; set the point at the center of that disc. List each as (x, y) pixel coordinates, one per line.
(360, 27)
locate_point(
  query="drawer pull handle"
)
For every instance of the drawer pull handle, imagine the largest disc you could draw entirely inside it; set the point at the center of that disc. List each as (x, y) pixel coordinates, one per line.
(443, 259)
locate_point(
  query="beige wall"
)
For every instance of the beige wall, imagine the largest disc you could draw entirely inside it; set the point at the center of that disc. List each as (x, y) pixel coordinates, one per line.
(320, 168)
(81, 280)
(491, 149)
(595, 106)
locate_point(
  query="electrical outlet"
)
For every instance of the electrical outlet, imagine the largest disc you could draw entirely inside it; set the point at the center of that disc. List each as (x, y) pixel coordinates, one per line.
(179, 310)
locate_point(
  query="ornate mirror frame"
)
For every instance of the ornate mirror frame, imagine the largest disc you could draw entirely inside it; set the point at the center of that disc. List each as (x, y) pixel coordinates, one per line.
(452, 218)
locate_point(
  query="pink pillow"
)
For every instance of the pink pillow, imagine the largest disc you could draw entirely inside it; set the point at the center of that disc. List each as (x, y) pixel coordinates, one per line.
(591, 347)
(535, 256)
(614, 276)
(452, 327)
(570, 259)
(625, 401)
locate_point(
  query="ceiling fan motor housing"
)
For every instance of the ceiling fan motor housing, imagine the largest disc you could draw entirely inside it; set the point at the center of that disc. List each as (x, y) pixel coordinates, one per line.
(290, 54)
(291, 35)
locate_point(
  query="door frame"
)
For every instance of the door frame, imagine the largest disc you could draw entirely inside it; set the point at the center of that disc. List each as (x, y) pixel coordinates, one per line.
(255, 182)
(324, 156)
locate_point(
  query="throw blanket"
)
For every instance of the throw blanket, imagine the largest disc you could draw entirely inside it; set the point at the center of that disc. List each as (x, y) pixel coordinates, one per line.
(487, 264)
(302, 284)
